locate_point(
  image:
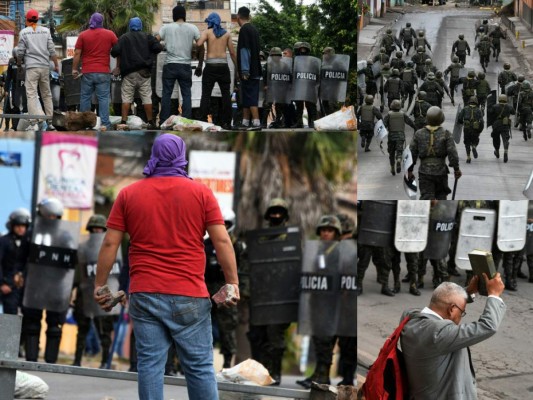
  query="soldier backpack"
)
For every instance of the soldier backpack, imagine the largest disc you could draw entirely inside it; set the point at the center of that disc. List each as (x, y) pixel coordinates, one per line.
(387, 377)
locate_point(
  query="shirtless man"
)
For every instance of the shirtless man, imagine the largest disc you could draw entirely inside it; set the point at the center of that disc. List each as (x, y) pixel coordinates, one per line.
(216, 68)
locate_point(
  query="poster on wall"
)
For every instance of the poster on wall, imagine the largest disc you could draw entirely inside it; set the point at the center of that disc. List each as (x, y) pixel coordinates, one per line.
(71, 43)
(67, 169)
(6, 46)
(216, 170)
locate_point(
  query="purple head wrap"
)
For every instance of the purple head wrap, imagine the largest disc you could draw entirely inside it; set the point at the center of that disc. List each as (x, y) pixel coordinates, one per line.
(96, 21)
(168, 157)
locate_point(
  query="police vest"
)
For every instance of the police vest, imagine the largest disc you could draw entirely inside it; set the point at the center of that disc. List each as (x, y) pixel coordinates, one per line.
(420, 41)
(484, 48)
(455, 70)
(503, 113)
(407, 75)
(394, 86)
(483, 88)
(470, 119)
(418, 109)
(469, 86)
(396, 121)
(461, 46)
(367, 113)
(407, 34)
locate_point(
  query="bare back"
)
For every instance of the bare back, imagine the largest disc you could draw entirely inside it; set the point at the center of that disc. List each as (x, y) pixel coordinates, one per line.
(216, 47)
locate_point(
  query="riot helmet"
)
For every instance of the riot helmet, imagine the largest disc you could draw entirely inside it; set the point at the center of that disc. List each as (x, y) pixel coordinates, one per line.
(396, 105)
(461, 36)
(421, 33)
(428, 61)
(521, 78)
(97, 221)
(275, 51)
(229, 219)
(389, 31)
(382, 50)
(438, 75)
(277, 205)
(481, 75)
(473, 100)
(369, 62)
(386, 66)
(506, 66)
(420, 49)
(347, 223)
(329, 221)
(422, 95)
(408, 25)
(431, 76)
(369, 99)
(395, 72)
(410, 64)
(20, 216)
(502, 98)
(297, 45)
(328, 50)
(435, 116)
(471, 73)
(50, 208)
(455, 59)
(399, 54)
(526, 86)
(305, 45)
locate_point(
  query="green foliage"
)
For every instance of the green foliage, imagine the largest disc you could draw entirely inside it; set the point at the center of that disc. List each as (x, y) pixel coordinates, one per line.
(117, 13)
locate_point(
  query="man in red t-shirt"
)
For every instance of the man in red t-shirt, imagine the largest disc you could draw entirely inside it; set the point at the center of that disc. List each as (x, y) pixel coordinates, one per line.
(166, 216)
(93, 47)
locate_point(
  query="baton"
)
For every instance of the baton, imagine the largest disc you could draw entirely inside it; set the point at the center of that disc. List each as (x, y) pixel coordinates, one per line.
(454, 188)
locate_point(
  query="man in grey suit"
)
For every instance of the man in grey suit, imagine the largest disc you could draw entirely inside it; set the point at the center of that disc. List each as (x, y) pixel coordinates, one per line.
(435, 343)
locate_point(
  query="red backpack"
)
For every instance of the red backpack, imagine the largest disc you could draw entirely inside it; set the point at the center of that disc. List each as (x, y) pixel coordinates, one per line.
(387, 377)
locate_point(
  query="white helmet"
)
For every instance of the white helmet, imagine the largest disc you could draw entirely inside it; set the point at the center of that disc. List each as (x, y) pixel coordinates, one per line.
(50, 207)
(229, 219)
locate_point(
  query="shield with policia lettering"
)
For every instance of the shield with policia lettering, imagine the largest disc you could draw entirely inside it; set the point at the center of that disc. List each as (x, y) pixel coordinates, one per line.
(275, 258)
(441, 227)
(306, 77)
(51, 264)
(87, 260)
(279, 77)
(334, 77)
(321, 300)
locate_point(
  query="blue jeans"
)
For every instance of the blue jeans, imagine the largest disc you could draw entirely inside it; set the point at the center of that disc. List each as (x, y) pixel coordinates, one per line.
(101, 84)
(183, 74)
(159, 319)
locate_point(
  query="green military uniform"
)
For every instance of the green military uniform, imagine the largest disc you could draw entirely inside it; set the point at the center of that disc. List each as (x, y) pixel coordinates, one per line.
(525, 109)
(505, 77)
(433, 90)
(395, 123)
(412, 269)
(420, 60)
(366, 115)
(501, 127)
(483, 47)
(496, 35)
(393, 87)
(460, 47)
(472, 119)
(453, 69)
(440, 271)
(440, 80)
(410, 80)
(469, 86)
(420, 110)
(482, 91)
(407, 35)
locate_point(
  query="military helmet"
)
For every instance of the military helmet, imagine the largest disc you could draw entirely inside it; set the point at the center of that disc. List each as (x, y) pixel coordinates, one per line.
(229, 219)
(410, 64)
(521, 78)
(305, 45)
(275, 51)
(399, 54)
(395, 72)
(428, 61)
(382, 50)
(97, 221)
(471, 73)
(50, 207)
(481, 75)
(473, 100)
(396, 105)
(435, 116)
(369, 99)
(497, 27)
(506, 66)
(431, 76)
(422, 95)
(329, 221)
(328, 50)
(455, 59)
(420, 49)
(526, 85)
(347, 223)
(386, 66)
(20, 216)
(420, 33)
(369, 62)
(461, 36)
(278, 203)
(485, 38)
(297, 45)
(485, 21)
(408, 25)
(438, 74)
(502, 98)
(389, 31)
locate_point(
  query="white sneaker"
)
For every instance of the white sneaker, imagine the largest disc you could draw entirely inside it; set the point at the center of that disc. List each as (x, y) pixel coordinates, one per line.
(51, 127)
(33, 127)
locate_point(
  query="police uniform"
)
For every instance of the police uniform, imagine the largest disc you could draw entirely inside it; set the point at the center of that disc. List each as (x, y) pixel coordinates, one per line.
(410, 80)
(419, 112)
(525, 110)
(395, 123)
(505, 77)
(366, 115)
(472, 119)
(496, 35)
(484, 47)
(501, 127)
(407, 35)
(453, 69)
(460, 47)
(433, 91)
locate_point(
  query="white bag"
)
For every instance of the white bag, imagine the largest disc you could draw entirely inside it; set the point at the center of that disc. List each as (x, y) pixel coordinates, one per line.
(249, 372)
(30, 386)
(342, 120)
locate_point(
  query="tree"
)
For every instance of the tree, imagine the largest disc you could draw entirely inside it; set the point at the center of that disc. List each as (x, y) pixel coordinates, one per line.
(117, 13)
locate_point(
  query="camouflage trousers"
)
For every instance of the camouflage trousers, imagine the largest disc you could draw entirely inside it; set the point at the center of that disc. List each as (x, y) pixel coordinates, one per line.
(366, 137)
(504, 135)
(378, 256)
(440, 270)
(412, 264)
(471, 138)
(433, 187)
(395, 149)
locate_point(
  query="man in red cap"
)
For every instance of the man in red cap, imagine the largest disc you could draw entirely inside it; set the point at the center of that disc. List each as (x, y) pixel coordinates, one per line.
(36, 48)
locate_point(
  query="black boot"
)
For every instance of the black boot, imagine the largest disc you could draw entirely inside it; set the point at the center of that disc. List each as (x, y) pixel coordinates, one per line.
(52, 349)
(32, 347)
(413, 289)
(275, 367)
(386, 290)
(359, 289)
(227, 361)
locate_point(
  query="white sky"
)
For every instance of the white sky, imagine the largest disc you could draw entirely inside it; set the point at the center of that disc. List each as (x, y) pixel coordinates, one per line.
(252, 3)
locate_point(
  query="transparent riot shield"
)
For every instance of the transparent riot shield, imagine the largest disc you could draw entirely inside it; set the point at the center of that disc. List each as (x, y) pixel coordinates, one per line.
(412, 219)
(512, 216)
(51, 264)
(306, 78)
(476, 232)
(347, 306)
(376, 68)
(380, 131)
(275, 257)
(361, 81)
(529, 229)
(441, 225)
(457, 128)
(377, 225)
(492, 99)
(319, 285)
(72, 87)
(279, 77)
(334, 77)
(87, 260)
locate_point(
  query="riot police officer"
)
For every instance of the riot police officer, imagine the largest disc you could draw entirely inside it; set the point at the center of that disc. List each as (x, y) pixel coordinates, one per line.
(427, 68)
(420, 110)
(390, 42)
(501, 126)
(407, 35)
(525, 109)
(382, 57)
(433, 144)
(395, 122)
(410, 80)
(483, 47)
(482, 90)
(496, 35)
(393, 87)
(14, 249)
(398, 63)
(421, 40)
(472, 118)
(469, 86)
(420, 60)
(366, 115)
(371, 87)
(433, 90)
(505, 77)
(453, 69)
(304, 50)
(103, 324)
(440, 80)
(460, 48)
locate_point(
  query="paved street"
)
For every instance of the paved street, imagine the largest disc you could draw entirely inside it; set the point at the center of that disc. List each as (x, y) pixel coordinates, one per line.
(486, 177)
(503, 363)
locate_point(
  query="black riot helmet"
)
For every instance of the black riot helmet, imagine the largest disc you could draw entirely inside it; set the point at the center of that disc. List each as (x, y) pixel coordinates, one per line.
(20, 216)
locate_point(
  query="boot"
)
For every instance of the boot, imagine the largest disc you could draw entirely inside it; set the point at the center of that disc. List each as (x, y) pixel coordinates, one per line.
(386, 290)
(406, 278)
(363, 142)
(275, 368)
(105, 356)
(468, 160)
(505, 157)
(392, 170)
(474, 151)
(367, 149)
(397, 283)
(321, 374)
(497, 153)
(359, 289)
(52, 349)
(227, 361)
(32, 348)
(420, 284)
(413, 289)
(398, 166)
(348, 373)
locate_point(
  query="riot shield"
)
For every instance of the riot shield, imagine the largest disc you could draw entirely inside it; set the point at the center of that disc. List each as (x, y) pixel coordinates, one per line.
(318, 299)
(334, 77)
(376, 68)
(347, 306)
(72, 87)
(306, 77)
(55, 88)
(512, 216)
(377, 223)
(528, 189)
(361, 77)
(492, 99)
(412, 220)
(380, 132)
(529, 230)
(275, 257)
(51, 264)
(87, 260)
(410, 187)
(116, 88)
(279, 76)
(159, 78)
(457, 128)
(476, 232)
(441, 224)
